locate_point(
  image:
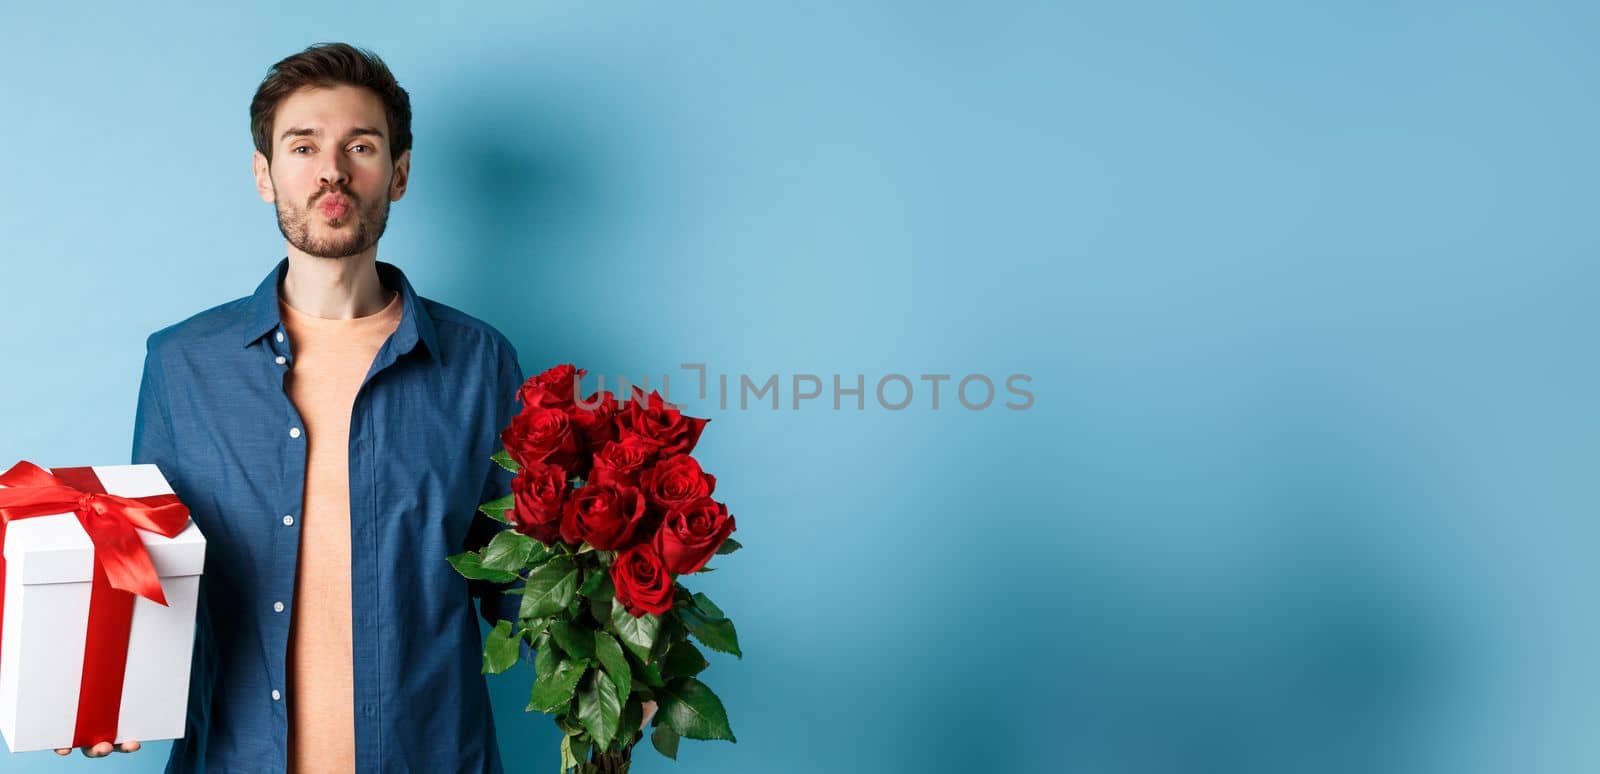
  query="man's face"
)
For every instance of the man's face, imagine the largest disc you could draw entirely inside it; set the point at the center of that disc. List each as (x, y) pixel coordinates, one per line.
(331, 178)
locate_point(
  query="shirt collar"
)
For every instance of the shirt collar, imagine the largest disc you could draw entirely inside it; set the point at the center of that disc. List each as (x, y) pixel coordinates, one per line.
(261, 315)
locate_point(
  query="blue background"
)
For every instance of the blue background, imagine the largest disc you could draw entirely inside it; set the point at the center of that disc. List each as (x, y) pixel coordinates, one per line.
(1307, 296)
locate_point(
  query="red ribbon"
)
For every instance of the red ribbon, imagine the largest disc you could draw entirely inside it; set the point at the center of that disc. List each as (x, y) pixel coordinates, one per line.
(122, 568)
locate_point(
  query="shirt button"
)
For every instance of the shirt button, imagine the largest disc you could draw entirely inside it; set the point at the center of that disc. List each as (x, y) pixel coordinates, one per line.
(280, 360)
(277, 607)
(280, 337)
(275, 695)
(288, 521)
(294, 432)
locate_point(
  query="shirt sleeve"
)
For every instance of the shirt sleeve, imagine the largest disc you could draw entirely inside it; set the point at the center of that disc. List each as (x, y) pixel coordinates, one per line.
(153, 444)
(152, 427)
(494, 603)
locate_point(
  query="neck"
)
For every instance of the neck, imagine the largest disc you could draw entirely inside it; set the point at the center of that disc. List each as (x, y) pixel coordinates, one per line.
(335, 288)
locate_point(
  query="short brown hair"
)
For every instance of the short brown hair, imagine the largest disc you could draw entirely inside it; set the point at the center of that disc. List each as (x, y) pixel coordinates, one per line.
(331, 64)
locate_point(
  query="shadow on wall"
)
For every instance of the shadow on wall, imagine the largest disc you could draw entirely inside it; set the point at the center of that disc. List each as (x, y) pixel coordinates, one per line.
(517, 199)
(525, 197)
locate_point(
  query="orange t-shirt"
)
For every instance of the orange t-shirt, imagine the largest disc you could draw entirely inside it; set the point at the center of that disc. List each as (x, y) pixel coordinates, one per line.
(331, 359)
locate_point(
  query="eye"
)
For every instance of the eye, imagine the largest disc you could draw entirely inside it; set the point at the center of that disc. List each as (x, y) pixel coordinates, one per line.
(298, 148)
(361, 145)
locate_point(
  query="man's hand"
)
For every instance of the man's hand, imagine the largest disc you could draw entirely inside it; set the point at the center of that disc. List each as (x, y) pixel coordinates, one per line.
(102, 749)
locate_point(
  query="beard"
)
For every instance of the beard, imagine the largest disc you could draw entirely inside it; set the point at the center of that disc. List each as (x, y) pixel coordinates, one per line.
(352, 234)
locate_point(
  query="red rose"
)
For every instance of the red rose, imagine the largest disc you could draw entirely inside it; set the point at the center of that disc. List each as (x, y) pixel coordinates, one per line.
(540, 398)
(621, 461)
(642, 581)
(595, 418)
(675, 482)
(541, 435)
(540, 493)
(649, 418)
(555, 388)
(690, 536)
(604, 515)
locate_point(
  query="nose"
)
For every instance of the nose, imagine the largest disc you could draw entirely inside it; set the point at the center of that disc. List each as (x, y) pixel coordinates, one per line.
(333, 175)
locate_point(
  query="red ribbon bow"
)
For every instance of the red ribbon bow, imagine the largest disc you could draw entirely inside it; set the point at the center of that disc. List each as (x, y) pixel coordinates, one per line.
(110, 520)
(122, 568)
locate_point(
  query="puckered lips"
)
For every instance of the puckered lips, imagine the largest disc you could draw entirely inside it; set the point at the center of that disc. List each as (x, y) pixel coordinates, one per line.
(333, 206)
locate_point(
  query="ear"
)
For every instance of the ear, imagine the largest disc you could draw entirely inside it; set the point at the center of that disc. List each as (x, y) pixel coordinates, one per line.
(402, 176)
(263, 173)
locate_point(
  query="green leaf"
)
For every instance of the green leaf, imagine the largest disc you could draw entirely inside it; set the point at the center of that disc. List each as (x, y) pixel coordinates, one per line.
(714, 634)
(729, 546)
(665, 740)
(496, 509)
(649, 674)
(545, 659)
(599, 709)
(592, 583)
(638, 634)
(567, 724)
(550, 588)
(552, 694)
(580, 748)
(508, 551)
(506, 462)
(600, 598)
(568, 760)
(577, 641)
(693, 710)
(708, 607)
(616, 664)
(683, 660)
(540, 554)
(533, 628)
(632, 719)
(470, 565)
(600, 609)
(500, 650)
(671, 631)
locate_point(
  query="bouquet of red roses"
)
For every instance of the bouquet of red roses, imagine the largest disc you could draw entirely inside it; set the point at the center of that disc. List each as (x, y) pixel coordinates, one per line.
(608, 509)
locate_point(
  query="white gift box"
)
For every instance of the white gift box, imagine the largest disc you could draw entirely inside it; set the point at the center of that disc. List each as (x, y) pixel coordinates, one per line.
(48, 576)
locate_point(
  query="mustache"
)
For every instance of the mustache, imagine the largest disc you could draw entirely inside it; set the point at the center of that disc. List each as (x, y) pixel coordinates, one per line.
(341, 190)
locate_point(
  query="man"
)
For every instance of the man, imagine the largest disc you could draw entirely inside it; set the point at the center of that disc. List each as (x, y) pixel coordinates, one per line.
(331, 434)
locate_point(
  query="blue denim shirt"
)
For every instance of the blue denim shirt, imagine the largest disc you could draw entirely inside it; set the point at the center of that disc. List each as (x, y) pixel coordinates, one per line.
(214, 415)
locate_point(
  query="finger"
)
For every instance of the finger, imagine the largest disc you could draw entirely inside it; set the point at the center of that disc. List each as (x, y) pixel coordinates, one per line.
(102, 749)
(132, 745)
(63, 751)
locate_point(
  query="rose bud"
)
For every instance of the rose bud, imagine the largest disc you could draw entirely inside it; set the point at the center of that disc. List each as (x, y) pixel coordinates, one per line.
(668, 430)
(555, 388)
(596, 420)
(620, 462)
(690, 536)
(642, 581)
(676, 482)
(540, 493)
(541, 435)
(604, 515)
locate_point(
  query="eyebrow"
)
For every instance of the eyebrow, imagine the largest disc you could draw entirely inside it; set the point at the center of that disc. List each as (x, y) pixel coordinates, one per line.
(354, 132)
